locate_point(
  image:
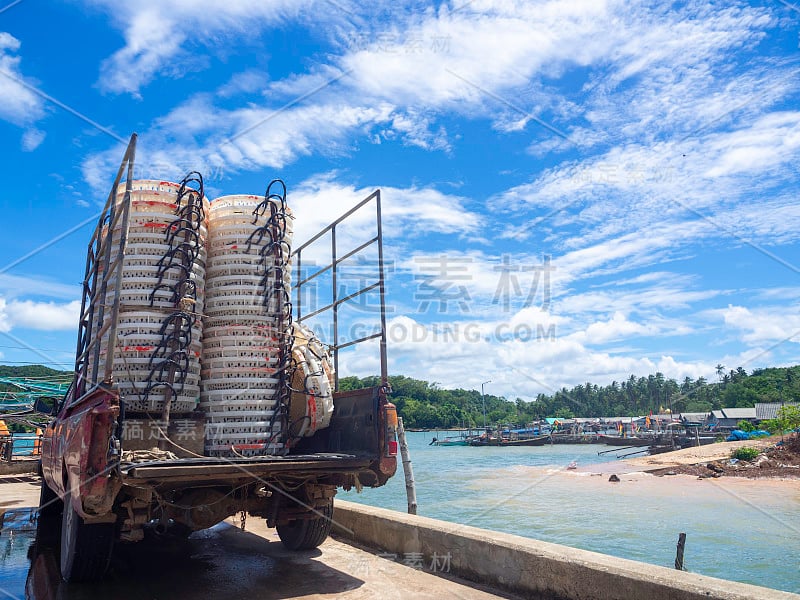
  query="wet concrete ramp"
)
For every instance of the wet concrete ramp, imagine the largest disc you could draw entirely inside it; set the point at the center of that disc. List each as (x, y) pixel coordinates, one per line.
(222, 562)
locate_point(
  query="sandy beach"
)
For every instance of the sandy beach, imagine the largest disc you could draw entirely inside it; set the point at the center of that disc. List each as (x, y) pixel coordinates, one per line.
(776, 460)
(692, 456)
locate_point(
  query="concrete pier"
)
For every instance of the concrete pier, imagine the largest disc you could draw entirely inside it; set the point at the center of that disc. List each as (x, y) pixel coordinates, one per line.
(19, 466)
(375, 553)
(223, 562)
(527, 567)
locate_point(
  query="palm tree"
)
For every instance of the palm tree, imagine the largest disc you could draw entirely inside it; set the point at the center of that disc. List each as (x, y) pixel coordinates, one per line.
(670, 388)
(720, 371)
(632, 392)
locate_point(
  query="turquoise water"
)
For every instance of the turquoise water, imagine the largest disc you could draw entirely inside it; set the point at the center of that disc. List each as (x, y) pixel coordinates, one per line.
(23, 446)
(736, 529)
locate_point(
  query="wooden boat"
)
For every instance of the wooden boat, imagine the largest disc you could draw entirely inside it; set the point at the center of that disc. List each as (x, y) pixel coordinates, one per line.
(614, 440)
(448, 441)
(537, 440)
(661, 448)
(690, 441)
(484, 440)
(571, 438)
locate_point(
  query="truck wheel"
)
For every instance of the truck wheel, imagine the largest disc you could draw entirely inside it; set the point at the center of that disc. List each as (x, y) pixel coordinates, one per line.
(48, 521)
(85, 549)
(305, 534)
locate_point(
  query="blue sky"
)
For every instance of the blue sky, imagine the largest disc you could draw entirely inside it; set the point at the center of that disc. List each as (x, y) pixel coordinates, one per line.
(573, 191)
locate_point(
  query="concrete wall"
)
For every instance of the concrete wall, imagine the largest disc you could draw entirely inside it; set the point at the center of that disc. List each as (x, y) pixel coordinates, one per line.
(529, 567)
(19, 466)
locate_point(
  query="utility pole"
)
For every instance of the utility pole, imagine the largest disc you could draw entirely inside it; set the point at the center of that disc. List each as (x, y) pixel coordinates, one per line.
(483, 400)
(411, 492)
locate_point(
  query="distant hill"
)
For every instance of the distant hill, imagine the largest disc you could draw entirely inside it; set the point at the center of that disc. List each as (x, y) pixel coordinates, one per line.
(30, 371)
(33, 372)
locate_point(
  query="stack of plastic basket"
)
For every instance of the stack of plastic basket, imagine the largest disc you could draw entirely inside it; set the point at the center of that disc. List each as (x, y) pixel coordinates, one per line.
(143, 357)
(245, 328)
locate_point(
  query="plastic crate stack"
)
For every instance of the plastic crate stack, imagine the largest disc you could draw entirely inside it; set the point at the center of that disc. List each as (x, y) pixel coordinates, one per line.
(159, 332)
(248, 316)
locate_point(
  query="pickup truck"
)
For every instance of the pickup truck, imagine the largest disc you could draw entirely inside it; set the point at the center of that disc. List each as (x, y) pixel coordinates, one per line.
(98, 490)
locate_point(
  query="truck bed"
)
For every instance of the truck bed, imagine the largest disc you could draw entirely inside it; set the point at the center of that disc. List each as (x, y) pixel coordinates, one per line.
(194, 469)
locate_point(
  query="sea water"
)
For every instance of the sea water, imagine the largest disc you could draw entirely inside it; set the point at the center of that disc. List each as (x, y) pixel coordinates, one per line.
(23, 445)
(736, 529)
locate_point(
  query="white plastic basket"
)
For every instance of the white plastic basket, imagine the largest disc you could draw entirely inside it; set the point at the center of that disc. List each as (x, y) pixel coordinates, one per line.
(152, 212)
(231, 400)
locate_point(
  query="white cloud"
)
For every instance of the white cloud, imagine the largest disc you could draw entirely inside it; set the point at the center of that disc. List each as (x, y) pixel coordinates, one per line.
(685, 74)
(415, 130)
(678, 370)
(762, 325)
(672, 117)
(20, 105)
(689, 131)
(32, 139)
(276, 138)
(637, 205)
(451, 60)
(616, 328)
(164, 33)
(503, 282)
(596, 335)
(466, 353)
(406, 73)
(13, 286)
(5, 324)
(779, 293)
(247, 138)
(770, 143)
(625, 252)
(245, 82)
(406, 213)
(485, 284)
(150, 38)
(665, 297)
(45, 316)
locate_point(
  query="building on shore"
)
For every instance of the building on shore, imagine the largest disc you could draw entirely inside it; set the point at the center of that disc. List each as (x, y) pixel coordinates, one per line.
(769, 410)
(728, 418)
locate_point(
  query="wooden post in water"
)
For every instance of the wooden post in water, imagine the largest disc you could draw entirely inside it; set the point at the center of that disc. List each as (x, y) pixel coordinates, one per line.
(679, 555)
(411, 492)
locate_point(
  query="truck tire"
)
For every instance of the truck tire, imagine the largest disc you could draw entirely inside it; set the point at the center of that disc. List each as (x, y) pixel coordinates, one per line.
(85, 549)
(48, 520)
(306, 534)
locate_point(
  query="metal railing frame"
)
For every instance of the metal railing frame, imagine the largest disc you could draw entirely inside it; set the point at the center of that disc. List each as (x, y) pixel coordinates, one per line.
(95, 283)
(336, 260)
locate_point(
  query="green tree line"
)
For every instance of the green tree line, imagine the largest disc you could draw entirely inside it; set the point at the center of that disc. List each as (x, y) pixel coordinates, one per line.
(34, 371)
(424, 404)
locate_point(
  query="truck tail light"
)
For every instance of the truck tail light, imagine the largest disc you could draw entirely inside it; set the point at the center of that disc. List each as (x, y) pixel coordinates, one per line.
(391, 429)
(391, 416)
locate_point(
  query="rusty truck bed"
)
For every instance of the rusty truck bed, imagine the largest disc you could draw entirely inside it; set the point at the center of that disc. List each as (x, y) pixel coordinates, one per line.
(235, 468)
